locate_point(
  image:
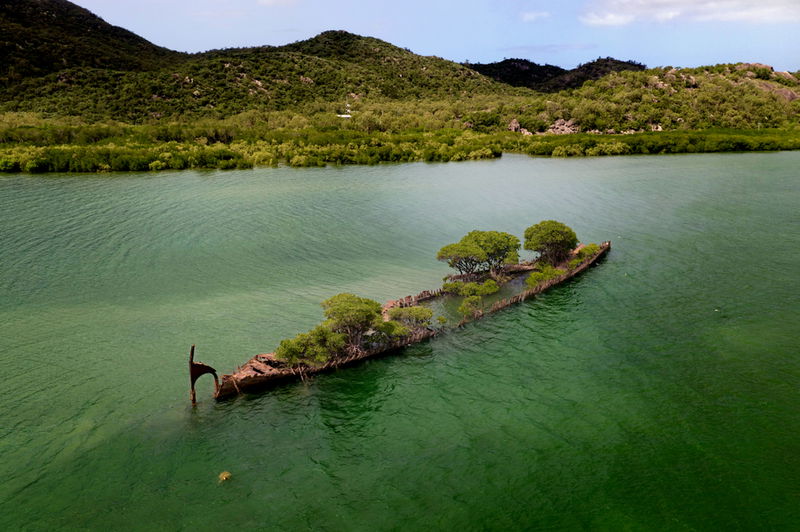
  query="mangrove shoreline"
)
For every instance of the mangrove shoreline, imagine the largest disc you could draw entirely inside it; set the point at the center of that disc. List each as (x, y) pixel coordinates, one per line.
(98, 149)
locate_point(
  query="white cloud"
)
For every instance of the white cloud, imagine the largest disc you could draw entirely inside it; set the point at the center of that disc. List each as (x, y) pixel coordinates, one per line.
(530, 16)
(606, 19)
(277, 2)
(621, 12)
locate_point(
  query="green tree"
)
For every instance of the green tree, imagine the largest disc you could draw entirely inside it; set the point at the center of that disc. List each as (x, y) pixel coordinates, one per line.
(500, 248)
(316, 346)
(544, 273)
(472, 289)
(465, 257)
(551, 239)
(352, 315)
(412, 317)
(470, 305)
(481, 251)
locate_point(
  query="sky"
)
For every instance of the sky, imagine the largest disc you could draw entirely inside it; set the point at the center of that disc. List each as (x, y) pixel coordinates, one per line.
(680, 33)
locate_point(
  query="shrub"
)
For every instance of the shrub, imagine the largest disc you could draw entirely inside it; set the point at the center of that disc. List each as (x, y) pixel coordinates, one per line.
(470, 305)
(316, 346)
(570, 150)
(7, 165)
(413, 317)
(588, 250)
(551, 239)
(545, 273)
(35, 166)
(609, 148)
(478, 289)
(471, 289)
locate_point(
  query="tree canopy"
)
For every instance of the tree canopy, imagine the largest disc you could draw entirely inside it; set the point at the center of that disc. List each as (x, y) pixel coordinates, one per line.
(413, 317)
(481, 251)
(352, 315)
(316, 346)
(465, 257)
(551, 239)
(500, 248)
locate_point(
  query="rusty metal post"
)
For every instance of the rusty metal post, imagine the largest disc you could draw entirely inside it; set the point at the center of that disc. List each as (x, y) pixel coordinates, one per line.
(197, 370)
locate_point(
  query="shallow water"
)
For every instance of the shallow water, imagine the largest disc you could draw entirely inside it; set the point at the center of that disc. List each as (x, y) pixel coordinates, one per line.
(660, 390)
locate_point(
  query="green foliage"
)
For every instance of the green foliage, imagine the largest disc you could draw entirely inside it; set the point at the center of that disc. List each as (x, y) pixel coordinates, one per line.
(387, 330)
(587, 251)
(545, 272)
(470, 305)
(549, 78)
(464, 256)
(412, 317)
(607, 148)
(551, 239)
(479, 289)
(441, 320)
(7, 165)
(499, 247)
(314, 347)
(483, 121)
(481, 251)
(472, 289)
(106, 99)
(570, 150)
(352, 315)
(452, 287)
(49, 35)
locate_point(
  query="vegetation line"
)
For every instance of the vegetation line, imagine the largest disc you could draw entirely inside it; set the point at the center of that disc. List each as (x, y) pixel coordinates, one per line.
(146, 148)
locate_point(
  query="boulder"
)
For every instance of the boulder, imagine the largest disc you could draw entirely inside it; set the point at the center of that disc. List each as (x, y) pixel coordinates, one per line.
(563, 127)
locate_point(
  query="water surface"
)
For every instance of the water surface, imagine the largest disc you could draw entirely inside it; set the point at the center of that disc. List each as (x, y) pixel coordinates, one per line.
(658, 391)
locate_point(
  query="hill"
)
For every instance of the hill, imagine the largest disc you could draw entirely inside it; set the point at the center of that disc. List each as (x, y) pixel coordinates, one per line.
(331, 67)
(549, 78)
(518, 72)
(81, 95)
(39, 37)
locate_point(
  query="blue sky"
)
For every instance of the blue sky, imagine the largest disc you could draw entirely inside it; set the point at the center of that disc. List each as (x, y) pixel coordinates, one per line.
(566, 33)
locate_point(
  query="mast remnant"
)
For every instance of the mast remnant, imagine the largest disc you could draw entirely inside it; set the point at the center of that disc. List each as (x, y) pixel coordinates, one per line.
(197, 370)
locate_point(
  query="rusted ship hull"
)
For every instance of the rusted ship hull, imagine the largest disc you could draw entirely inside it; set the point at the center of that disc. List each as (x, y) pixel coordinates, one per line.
(263, 371)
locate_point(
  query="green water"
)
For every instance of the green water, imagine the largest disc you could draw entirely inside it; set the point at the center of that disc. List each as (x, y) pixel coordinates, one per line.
(659, 391)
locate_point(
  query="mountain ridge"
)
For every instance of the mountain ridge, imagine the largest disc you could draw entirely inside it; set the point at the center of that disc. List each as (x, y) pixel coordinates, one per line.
(40, 37)
(551, 78)
(388, 87)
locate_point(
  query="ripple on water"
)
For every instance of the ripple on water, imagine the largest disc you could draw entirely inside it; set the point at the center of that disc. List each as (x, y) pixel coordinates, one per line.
(660, 387)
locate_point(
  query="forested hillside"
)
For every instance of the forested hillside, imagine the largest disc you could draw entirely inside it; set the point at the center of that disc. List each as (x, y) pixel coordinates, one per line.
(78, 94)
(549, 78)
(39, 37)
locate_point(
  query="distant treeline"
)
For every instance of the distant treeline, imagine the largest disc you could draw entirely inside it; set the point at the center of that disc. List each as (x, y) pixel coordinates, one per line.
(64, 147)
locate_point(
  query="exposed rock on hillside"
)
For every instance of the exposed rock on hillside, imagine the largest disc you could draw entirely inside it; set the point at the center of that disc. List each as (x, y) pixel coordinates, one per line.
(563, 127)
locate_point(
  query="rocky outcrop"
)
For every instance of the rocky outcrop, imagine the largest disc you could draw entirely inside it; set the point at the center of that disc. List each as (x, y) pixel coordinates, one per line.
(784, 93)
(563, 127)
(754, 66)
(515, 126)
(787, 76)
